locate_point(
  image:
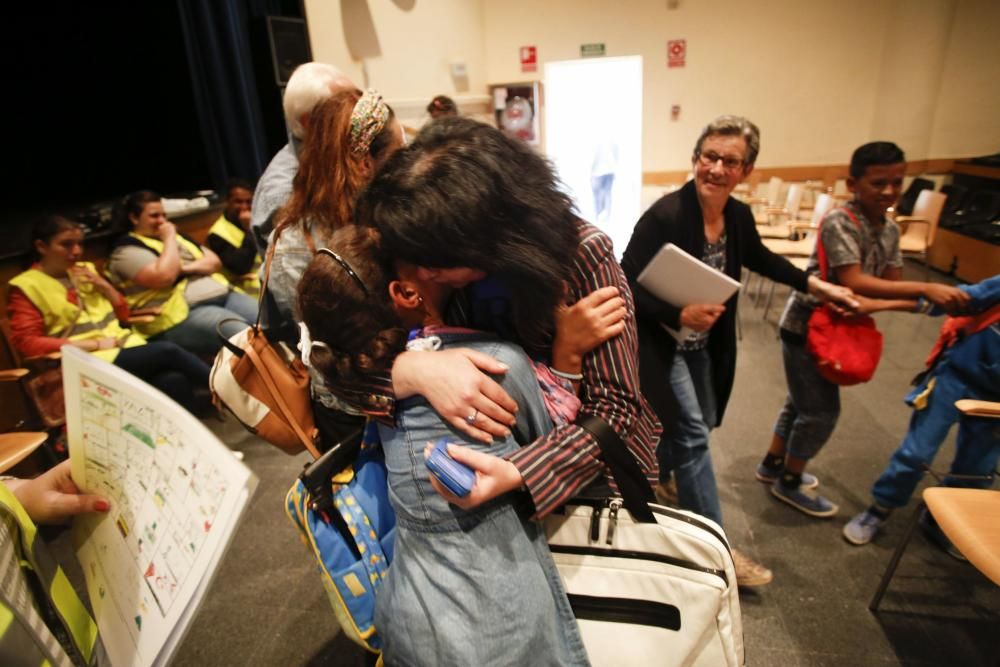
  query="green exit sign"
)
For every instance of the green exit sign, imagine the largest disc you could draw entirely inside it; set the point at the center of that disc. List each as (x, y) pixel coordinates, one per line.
(591, 50)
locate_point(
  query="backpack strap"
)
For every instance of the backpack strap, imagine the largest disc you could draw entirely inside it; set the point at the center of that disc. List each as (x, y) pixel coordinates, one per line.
(820, 250)
(632, 483)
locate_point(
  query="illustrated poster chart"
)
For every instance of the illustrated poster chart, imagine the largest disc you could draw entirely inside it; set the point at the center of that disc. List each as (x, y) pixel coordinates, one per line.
(176, 495)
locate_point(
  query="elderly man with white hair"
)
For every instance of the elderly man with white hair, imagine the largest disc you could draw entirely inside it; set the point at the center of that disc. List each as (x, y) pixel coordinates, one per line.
(310, 84)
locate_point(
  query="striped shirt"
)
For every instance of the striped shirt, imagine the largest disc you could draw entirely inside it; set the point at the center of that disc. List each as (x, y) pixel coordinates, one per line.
(25, 638)
(557, 466)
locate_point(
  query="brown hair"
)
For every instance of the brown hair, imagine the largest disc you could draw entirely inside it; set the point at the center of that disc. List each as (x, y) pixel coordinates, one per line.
(360, 331)
(330, 176)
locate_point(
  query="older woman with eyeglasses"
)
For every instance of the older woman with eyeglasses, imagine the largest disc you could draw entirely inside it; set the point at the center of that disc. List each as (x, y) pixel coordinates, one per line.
(689, 383)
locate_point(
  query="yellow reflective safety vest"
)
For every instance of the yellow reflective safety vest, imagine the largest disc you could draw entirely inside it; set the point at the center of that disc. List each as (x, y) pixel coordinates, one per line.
(170, 300)
(25, 639)
(93, 318)
(234, 236)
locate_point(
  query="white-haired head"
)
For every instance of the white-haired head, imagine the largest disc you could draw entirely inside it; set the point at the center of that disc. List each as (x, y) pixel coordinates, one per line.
(310, 84)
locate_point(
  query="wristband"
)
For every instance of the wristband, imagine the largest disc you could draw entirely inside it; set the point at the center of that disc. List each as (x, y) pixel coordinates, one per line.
(573, 377)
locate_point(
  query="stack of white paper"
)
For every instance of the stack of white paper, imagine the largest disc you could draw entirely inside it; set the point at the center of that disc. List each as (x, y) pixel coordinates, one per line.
(677, 278)
(177, 494)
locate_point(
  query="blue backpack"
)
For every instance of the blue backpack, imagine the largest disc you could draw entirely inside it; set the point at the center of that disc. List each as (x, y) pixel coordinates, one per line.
(340, 505)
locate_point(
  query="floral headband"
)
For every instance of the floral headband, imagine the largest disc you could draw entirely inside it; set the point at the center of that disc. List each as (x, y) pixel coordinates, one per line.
(369, 117)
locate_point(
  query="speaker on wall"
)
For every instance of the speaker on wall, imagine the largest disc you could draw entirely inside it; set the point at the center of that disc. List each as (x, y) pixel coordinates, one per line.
(289, 40)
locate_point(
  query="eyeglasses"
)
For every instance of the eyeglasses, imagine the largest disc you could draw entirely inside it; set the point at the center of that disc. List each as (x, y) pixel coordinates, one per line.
(709, 158)
(347, 267)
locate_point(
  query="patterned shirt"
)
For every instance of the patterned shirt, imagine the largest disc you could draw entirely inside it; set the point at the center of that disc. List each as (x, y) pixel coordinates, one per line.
(715, 256)
(557, 466)
(874, 246)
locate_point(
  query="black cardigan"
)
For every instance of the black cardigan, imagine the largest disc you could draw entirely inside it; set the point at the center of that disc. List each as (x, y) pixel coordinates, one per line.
(676, 218)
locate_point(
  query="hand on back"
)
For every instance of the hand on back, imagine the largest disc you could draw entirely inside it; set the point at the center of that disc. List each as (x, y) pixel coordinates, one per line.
(591, 321)
(457, 385)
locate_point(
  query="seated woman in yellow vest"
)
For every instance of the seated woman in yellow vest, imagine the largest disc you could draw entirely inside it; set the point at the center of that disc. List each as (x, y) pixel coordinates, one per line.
(63, 301)
(158, 268)
(229, 239)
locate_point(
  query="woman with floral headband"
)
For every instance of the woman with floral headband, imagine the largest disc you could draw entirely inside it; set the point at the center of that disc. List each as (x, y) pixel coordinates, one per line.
(350, 135)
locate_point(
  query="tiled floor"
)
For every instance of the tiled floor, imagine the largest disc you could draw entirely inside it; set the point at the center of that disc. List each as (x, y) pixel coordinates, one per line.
(267, 605)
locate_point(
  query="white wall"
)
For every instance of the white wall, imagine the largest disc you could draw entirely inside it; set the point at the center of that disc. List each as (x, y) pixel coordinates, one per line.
(967, 117)
(818, 76)
(417, 48)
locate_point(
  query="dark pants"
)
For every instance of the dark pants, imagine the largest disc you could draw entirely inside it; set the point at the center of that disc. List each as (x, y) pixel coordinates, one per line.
(171, 369)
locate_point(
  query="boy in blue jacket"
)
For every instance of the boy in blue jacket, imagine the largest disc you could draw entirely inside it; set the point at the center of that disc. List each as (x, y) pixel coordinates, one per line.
(965, 363)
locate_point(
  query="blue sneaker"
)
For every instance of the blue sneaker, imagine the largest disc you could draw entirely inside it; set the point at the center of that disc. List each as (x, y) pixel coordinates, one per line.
(817, 506)
(862, 528)
(767, 476)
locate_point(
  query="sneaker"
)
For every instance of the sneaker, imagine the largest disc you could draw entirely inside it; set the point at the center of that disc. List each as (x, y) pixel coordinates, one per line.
(933, 532)
(666, 493)
(750, 573)
(767, 476)
(862, 528)
(817, 506)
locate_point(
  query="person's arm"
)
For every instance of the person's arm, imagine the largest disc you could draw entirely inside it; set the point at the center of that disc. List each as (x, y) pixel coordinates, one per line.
(82, 275)
(28, 335)
(556, 466)
(841, 239)
(583, 326)
(164, 269)
(205, 265)
(27, 327)
(867, 306)
(237, 260)
(759, 258)
(948, 297)
(54, 497)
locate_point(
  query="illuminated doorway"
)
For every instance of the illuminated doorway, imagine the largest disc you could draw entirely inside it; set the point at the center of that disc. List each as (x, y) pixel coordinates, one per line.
(593, 135)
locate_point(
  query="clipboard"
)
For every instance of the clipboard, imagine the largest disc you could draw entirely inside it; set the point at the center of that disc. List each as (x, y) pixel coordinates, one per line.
(677, 278)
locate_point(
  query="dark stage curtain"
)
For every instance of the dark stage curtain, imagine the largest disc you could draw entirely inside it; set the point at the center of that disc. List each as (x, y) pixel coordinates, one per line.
(217, 42)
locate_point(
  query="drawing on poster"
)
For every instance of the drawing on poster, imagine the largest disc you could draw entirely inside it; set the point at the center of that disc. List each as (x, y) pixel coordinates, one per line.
(175, 501)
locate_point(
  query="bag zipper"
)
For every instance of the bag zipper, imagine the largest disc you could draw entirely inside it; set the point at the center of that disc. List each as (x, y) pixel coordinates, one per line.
(625, 610)
(637, 555)
(614, 504)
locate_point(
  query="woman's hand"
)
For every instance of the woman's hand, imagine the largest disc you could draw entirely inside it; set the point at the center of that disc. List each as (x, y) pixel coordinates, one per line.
(82, 275)
(594, 319)
(456, 384)
(494, 476)
(701, 316)
(54, 497)
(842, 298)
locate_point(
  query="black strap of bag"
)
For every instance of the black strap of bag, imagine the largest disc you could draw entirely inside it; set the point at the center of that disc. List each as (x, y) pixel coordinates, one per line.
(632, 483)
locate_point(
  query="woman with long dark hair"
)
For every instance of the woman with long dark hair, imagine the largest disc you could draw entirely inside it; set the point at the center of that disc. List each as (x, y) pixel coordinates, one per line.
(362, 310)
(480, 212)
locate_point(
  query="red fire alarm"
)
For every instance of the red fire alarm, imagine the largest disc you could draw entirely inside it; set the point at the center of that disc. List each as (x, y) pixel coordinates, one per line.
(676, 52)
(529, 59)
